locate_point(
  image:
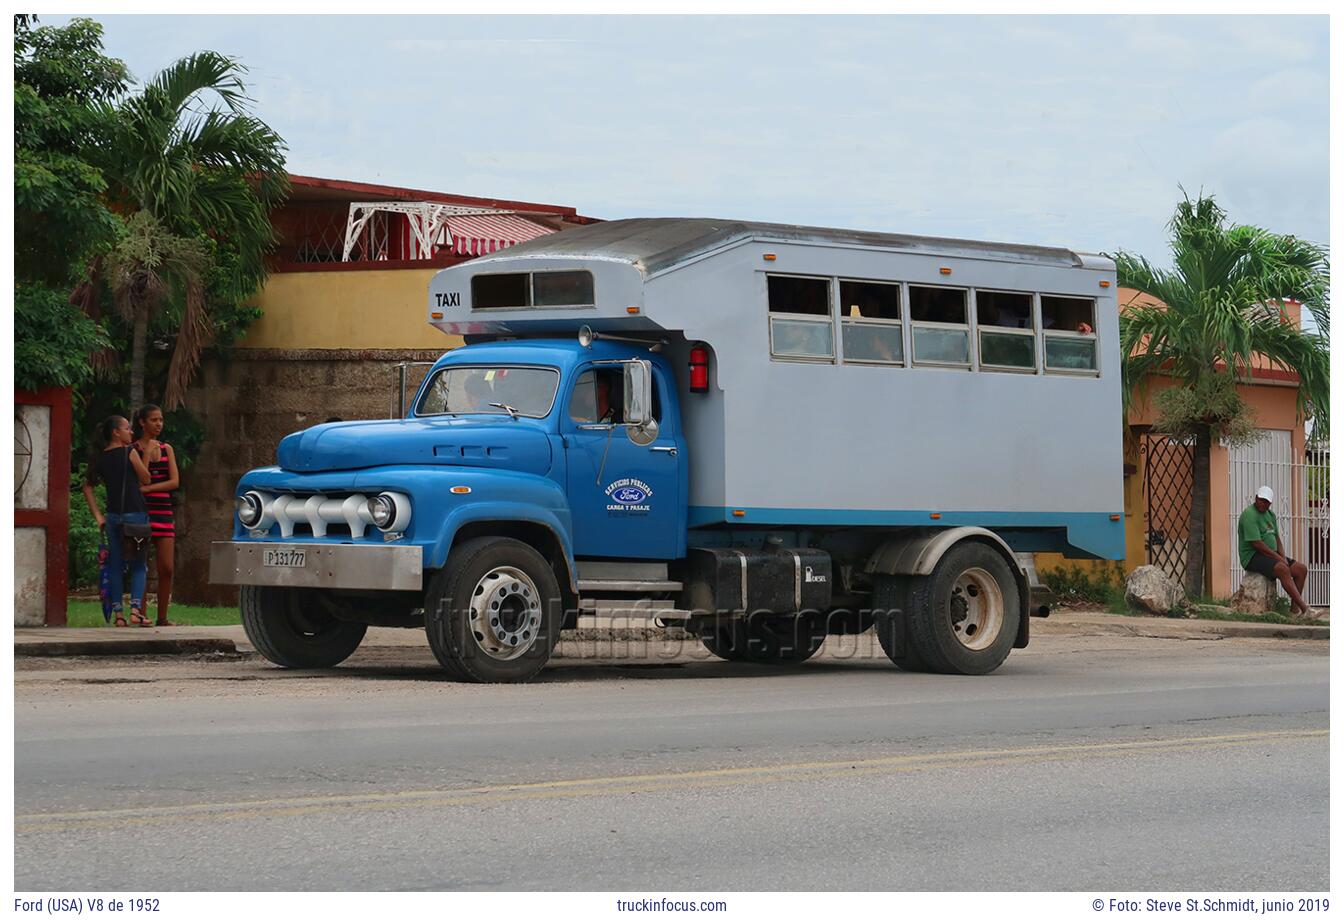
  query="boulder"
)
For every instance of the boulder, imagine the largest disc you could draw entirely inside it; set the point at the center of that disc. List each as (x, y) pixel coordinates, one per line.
(1257, 594)
(1148, 589)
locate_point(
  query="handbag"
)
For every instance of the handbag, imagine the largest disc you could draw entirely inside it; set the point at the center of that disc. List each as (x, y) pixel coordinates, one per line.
(134, 536)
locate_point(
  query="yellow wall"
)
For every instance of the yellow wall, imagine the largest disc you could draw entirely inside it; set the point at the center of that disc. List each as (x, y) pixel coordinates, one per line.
(347, 309)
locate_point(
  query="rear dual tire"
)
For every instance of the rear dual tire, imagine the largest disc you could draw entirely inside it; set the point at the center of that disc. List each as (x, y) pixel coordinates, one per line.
(961, 619)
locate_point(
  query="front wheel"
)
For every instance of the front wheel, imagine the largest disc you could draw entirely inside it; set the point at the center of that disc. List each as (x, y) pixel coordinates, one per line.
(296, 627)
(492, 614)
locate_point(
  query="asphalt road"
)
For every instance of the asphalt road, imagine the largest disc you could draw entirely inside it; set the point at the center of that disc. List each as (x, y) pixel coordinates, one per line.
(1095, 764)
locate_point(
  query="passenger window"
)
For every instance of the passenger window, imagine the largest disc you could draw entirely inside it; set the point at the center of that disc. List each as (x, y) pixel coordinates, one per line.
(1069, 325)
(599, 397)
(870, 322)
(1007, 334)
(800, 318)
(492, 292)
(939, 327)
(562, 289)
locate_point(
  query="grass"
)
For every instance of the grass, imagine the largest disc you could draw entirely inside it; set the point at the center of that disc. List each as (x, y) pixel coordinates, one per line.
(90, 613)
(1211, 608)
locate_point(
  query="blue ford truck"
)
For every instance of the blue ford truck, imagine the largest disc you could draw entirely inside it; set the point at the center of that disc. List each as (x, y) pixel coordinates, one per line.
(766, 434)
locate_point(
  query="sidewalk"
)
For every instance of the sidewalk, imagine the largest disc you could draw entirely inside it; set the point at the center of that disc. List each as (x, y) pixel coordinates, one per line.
(198, 640)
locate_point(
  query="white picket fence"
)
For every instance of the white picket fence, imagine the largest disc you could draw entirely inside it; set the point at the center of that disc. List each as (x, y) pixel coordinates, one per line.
(1301, 487)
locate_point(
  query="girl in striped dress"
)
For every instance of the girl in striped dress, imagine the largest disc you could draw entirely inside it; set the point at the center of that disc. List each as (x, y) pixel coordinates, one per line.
(162, 463)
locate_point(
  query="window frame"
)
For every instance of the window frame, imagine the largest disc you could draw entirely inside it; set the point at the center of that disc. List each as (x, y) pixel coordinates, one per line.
(811, 318)
(1028, 332)
(429, 382)
(968, 301)
(899, 323)
(532, 291)
(1066, 335)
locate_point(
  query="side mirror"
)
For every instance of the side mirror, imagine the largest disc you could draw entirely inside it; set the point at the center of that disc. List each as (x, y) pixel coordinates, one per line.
(639, 421)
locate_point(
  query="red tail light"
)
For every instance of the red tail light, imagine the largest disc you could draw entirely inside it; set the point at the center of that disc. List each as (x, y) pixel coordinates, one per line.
(699, 365)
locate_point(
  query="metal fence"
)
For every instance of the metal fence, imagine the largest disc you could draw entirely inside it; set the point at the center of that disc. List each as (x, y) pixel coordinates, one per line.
(1169, 487)
(1301, 487)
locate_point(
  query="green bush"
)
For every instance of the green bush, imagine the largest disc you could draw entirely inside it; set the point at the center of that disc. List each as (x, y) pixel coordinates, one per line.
(84, 536)
(1075, 585)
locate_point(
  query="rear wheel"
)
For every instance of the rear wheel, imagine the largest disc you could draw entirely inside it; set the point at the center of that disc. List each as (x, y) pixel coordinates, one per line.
(492, 614)
(963, 618)
(891, 597)
(297, 627)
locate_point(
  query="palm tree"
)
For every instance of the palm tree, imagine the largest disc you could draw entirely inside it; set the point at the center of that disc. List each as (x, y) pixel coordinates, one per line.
(146, 268)
(1220, 315)
(199, 172)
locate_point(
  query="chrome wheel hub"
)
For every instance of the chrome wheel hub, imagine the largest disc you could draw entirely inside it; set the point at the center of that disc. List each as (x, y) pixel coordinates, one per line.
(505, 613)
(976, 609)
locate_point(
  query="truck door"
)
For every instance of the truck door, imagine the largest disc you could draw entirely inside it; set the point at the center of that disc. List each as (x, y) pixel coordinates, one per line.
(625, 498)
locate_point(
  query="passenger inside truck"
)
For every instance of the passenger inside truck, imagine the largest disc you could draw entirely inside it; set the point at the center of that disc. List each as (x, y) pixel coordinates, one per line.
(596, 399)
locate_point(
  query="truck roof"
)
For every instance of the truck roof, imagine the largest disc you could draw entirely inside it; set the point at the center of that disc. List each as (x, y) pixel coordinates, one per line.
(561, 352)
(655, 244)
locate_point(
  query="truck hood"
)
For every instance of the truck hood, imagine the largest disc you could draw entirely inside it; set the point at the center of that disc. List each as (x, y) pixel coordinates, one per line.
(482, 441)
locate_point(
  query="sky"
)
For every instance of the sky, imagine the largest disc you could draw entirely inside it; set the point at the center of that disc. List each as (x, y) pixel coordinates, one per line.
(1075, 131)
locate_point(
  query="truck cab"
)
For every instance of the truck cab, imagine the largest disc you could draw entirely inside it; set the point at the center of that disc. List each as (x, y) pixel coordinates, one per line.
(767, 434)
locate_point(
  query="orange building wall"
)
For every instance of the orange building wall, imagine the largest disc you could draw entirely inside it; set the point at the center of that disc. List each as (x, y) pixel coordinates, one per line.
(1275, 405)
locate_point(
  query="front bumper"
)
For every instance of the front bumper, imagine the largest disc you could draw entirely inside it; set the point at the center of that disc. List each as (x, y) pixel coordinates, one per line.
(325, 565)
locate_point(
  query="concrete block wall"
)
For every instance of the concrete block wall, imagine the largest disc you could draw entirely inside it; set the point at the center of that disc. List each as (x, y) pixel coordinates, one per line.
(248, 403)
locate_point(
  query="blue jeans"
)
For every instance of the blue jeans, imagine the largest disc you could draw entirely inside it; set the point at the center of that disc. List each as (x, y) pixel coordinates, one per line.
(116, 563)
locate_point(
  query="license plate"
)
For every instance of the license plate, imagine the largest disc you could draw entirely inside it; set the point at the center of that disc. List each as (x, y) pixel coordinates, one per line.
(284, 558)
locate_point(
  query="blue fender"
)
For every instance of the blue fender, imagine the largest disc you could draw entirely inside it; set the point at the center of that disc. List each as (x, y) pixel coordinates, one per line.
(505, 496)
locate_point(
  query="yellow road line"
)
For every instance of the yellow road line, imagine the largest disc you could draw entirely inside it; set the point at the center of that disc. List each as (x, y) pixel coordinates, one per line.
(646, 782)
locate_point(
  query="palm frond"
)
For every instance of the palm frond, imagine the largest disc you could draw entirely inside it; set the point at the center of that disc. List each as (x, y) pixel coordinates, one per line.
(195, 334)
(176, 87)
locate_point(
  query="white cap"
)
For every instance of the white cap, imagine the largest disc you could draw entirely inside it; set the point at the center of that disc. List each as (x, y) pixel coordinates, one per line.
(1266, 493)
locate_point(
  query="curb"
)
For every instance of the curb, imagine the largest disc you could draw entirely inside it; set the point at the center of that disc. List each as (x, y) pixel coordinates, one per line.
(108, 647)
(1174, 628)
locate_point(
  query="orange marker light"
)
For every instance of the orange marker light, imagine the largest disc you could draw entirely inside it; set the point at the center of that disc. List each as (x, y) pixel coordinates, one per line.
(460, 490)
(1105, 284)
(437, 315)
(935, 515)
(738, 512)
(769, 257)
(632, 309)
(1115, 517)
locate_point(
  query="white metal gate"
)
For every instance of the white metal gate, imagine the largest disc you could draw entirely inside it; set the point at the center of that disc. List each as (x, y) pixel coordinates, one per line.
(1301, 503)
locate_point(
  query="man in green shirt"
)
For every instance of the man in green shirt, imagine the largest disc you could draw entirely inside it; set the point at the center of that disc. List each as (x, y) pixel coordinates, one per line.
(1262, 551)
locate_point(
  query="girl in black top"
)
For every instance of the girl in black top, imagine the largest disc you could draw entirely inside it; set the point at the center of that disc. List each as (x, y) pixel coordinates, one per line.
(122, 472)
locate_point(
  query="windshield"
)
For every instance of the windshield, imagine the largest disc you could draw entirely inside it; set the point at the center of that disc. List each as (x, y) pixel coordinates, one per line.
(528, 391)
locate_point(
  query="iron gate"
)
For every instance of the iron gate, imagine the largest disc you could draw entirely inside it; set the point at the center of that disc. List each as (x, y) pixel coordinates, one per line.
(1301, 484)
(1168, 482)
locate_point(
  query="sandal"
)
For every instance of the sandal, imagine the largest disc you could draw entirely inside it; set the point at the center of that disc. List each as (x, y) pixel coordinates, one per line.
(119, 621)
(139, 619)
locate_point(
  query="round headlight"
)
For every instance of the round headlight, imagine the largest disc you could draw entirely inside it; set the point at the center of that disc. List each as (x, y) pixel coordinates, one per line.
(383, 510)
(250, 509)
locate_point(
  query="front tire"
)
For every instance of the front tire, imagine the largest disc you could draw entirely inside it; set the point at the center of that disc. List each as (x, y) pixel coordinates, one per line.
(295, 628)
(492, 614)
